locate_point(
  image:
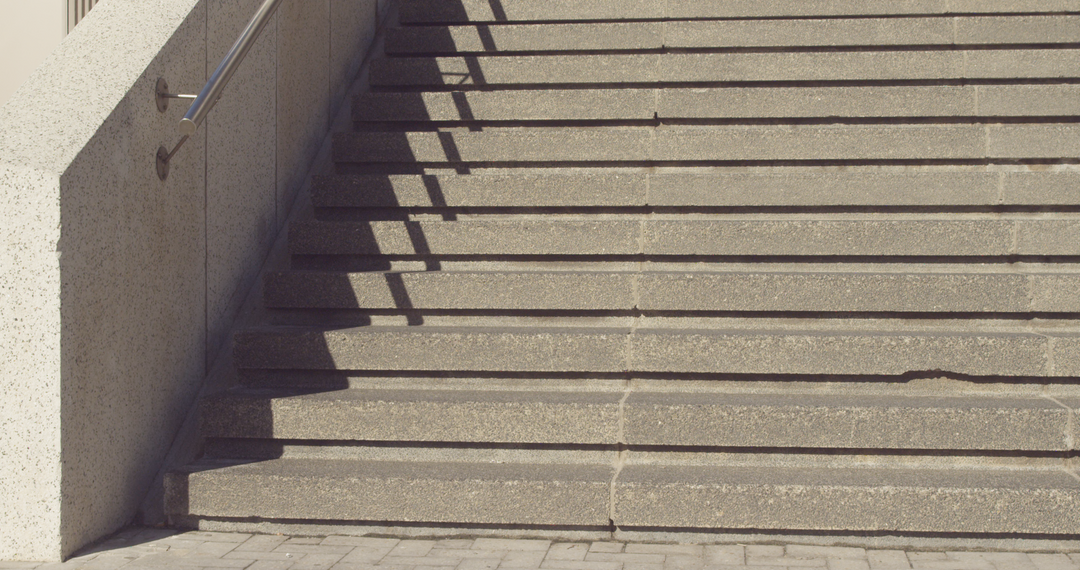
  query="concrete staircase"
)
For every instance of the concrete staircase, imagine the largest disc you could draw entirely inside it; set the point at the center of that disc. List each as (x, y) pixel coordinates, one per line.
(679, 265)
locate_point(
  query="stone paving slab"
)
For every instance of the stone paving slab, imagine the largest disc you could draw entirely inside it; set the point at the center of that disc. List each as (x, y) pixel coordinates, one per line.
(149, 549)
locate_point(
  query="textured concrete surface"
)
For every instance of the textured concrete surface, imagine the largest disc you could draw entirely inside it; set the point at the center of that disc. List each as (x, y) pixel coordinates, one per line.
(725, 67)
(377, 348)
(139, 276)
(840, 292)
(491, 190)
(427, 11)
(418, 11)
(790, 187)
(838, 421)
(840, 352)
(712, 144)
(563, 105)
(395, 491)
(954, 500)
(869, 236)
(417, 415)
(303, 92)
(241, 192)
(566, 291)
(888, 351)
(510, 237)
(159, 548)
(102, 268)
(552, 37)
(723, 103)
(1049, 29)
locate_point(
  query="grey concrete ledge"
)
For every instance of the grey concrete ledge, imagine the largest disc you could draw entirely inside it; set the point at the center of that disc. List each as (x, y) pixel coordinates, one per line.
(774, 235)
(723, 144)
(394, 491)
(434, 11)
(723, 103)
(777, 188)
(891, 352)
(971, 30)
(895, 292)
(829, 419)
(1010, 64)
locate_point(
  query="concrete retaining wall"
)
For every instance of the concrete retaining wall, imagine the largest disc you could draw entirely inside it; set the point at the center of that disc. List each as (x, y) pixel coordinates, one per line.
(117, 289)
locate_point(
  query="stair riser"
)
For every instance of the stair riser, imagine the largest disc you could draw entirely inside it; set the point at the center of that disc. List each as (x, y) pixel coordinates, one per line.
(717, 144)
(725, 68)
(774, 189)
(736, 34)
(771, 237)
(659, 351)
(723, 103)
(434, 11)
(651, 496)
(822, 292)
(837, 421)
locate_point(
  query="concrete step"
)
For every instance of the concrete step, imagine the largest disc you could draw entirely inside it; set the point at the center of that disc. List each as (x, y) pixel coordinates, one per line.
(685, 34)
(723, 144)
(830, 418)
(858, 65)
(344, 490)
(728, 103)
(893, 290)
(972, 500)
(955, 235)
(437, 11)
(790, 187)
(719, 494)
(709, 346)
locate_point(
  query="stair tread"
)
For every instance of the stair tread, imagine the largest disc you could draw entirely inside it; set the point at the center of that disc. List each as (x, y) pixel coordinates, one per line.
(793, 187)
(713, 144)
(731, 235)
(717, 495)
(972, 30)
(491, 493)
(902, 289)
(434, 11)
(941, 101)
(886, 65)
(838, 419)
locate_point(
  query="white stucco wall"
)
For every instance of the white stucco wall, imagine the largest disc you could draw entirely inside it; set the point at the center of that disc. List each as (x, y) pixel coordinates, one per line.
(117, 289)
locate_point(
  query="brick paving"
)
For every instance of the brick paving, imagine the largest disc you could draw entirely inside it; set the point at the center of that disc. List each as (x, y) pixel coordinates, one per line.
(148, 549)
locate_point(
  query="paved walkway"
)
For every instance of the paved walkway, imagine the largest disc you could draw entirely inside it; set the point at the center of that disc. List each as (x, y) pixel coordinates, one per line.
(154, 549)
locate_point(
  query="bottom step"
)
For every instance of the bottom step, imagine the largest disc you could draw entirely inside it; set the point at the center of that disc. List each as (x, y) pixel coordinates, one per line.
(812, 496)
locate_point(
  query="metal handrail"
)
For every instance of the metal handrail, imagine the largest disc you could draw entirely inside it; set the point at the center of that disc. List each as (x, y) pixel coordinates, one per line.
(211, 92)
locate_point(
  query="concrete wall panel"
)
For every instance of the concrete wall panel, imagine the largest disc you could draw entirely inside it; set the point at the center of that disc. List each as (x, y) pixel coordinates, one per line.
(303, 105)
(117, 289)
(241, 185)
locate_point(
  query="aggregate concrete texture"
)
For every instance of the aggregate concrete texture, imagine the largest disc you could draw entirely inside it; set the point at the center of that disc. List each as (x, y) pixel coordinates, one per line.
(103, 265)
(684, 34)
(146, 548)
(837, 421)
(772, 235)
(721, 351)
(417, 415)
(396, 491)
(725, 67)
(132, 279)
(722, 103)
(721, 290)
(792, 187)
(883, 499)
(434, 11)
(711, 144)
